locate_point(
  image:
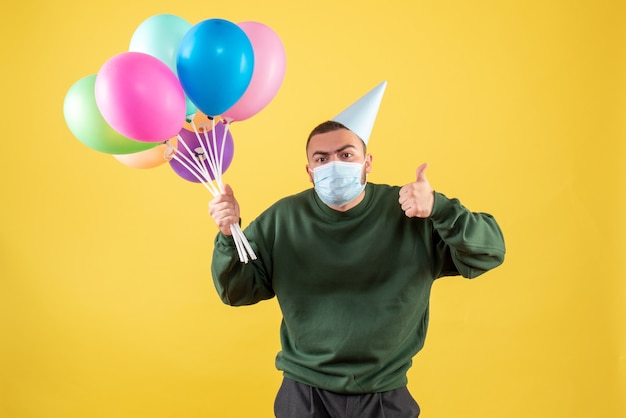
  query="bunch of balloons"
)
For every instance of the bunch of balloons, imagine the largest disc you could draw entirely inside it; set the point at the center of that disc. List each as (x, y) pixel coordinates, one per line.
(138, 103)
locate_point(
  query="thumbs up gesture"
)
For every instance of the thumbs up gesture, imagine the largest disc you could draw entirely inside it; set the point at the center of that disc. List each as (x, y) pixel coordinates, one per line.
(417, 198)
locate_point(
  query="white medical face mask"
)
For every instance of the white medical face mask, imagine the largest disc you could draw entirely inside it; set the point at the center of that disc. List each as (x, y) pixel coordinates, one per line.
(338, 183)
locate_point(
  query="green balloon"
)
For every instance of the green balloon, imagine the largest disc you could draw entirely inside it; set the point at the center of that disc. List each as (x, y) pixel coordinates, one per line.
(87, 124)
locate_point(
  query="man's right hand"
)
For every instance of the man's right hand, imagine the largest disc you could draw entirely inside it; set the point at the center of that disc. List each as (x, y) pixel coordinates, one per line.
(224, 210)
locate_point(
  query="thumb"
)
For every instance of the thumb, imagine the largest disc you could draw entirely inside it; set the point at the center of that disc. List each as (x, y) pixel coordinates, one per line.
(228, 190)
(420, 173)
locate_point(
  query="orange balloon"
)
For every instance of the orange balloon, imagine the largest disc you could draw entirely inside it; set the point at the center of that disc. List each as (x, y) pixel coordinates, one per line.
(150, 158)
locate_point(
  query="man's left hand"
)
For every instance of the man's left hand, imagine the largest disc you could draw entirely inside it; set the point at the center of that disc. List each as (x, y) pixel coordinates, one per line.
(417, 198)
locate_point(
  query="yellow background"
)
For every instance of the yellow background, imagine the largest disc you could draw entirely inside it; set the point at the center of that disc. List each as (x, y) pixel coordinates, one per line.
(107, 308)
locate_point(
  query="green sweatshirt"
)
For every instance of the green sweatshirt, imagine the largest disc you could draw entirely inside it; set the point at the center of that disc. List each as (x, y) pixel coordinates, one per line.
(353, 286)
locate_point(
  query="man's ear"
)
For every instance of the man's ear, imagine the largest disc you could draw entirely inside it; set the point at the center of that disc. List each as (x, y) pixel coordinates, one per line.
(368, 163)
(308, 172)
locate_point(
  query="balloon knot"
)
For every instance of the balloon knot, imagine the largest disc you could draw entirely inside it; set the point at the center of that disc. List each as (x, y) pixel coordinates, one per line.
(169, 152)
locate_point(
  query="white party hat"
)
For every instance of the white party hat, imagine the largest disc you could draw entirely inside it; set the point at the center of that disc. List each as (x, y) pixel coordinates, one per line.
(360, 116)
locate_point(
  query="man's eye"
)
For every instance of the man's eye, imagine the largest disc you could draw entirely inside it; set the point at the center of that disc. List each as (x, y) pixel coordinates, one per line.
(347, 155)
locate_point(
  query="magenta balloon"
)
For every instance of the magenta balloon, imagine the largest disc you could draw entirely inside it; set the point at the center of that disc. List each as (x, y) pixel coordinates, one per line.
(268, 73)
(140, 97)
(190, 138)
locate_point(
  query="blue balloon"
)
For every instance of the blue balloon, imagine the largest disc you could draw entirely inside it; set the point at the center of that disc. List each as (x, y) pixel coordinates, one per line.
(215, 62)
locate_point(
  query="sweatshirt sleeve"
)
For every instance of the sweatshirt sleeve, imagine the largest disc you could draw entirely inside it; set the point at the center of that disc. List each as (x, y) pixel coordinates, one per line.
(238, 283)
(473, 240)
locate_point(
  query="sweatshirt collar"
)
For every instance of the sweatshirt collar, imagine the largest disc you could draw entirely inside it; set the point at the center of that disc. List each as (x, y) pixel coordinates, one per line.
(350, 213)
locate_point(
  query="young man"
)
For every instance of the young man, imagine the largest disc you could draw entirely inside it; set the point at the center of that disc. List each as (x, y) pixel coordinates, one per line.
(352, 264)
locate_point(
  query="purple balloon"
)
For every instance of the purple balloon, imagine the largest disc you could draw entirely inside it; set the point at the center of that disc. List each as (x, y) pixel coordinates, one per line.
(199, 155)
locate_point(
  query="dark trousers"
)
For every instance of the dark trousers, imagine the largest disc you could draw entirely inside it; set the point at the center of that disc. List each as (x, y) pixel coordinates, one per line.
(297, 400)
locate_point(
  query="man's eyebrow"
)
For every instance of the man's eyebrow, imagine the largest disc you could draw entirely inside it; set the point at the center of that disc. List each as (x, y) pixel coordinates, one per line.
(345, 147)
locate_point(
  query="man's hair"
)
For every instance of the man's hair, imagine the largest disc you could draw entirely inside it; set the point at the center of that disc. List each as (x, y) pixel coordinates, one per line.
(329, 126)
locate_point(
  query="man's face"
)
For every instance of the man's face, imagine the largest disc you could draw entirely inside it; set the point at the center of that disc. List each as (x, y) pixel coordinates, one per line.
(339, 145)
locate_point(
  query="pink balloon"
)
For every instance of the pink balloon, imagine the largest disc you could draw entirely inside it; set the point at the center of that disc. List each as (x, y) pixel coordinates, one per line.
(268, 73)
(140, 97)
